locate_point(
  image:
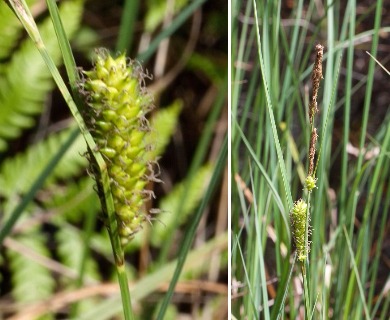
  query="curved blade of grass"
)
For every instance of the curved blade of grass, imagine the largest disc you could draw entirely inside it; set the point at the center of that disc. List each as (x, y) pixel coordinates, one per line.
(381, 65)
(282, 165)
(63, 41)
(267, 178)
(126, 30)
(190, 233)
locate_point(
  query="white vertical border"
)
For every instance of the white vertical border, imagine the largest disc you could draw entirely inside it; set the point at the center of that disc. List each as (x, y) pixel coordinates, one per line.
(229, 160)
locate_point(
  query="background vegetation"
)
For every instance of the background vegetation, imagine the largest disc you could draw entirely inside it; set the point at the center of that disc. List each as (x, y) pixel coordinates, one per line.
(348, 271)
(56, 261)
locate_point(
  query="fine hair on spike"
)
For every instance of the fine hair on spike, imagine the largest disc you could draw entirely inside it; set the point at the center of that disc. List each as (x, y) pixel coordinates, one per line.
(155, 211)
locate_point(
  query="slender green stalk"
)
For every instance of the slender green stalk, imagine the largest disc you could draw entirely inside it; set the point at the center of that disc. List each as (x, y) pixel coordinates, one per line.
(306, 290)
(347, 109)
(306, 263)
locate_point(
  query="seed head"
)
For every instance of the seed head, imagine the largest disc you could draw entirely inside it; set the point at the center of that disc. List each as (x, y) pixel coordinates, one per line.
(117, 104)
(298, 226)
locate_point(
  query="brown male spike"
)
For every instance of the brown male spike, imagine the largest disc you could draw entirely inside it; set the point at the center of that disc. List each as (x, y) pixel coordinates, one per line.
(316, 78)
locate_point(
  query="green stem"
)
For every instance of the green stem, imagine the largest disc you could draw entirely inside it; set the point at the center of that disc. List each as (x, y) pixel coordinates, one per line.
(122, 278)
(125, 292)
(306, 263)
(306, 290)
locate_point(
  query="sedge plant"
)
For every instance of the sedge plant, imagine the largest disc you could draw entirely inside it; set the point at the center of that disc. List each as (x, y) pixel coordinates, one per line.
(342, 276)
(300, 213)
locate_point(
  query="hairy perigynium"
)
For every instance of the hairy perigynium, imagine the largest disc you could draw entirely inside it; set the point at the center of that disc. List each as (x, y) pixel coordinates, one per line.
(298, 216)
(117, 104)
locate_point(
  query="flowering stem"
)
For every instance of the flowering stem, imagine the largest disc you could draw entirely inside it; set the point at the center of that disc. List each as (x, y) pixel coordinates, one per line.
(300, 213)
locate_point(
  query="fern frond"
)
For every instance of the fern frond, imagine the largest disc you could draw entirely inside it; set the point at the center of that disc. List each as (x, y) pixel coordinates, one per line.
(27, 79)
(194, 193)
(31, 281)
(164, 123)
(18, 173)
(70, 251)
(74, 201)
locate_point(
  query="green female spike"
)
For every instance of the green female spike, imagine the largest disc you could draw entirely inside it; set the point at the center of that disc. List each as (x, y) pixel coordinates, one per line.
(298, 224)
(117, 103)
